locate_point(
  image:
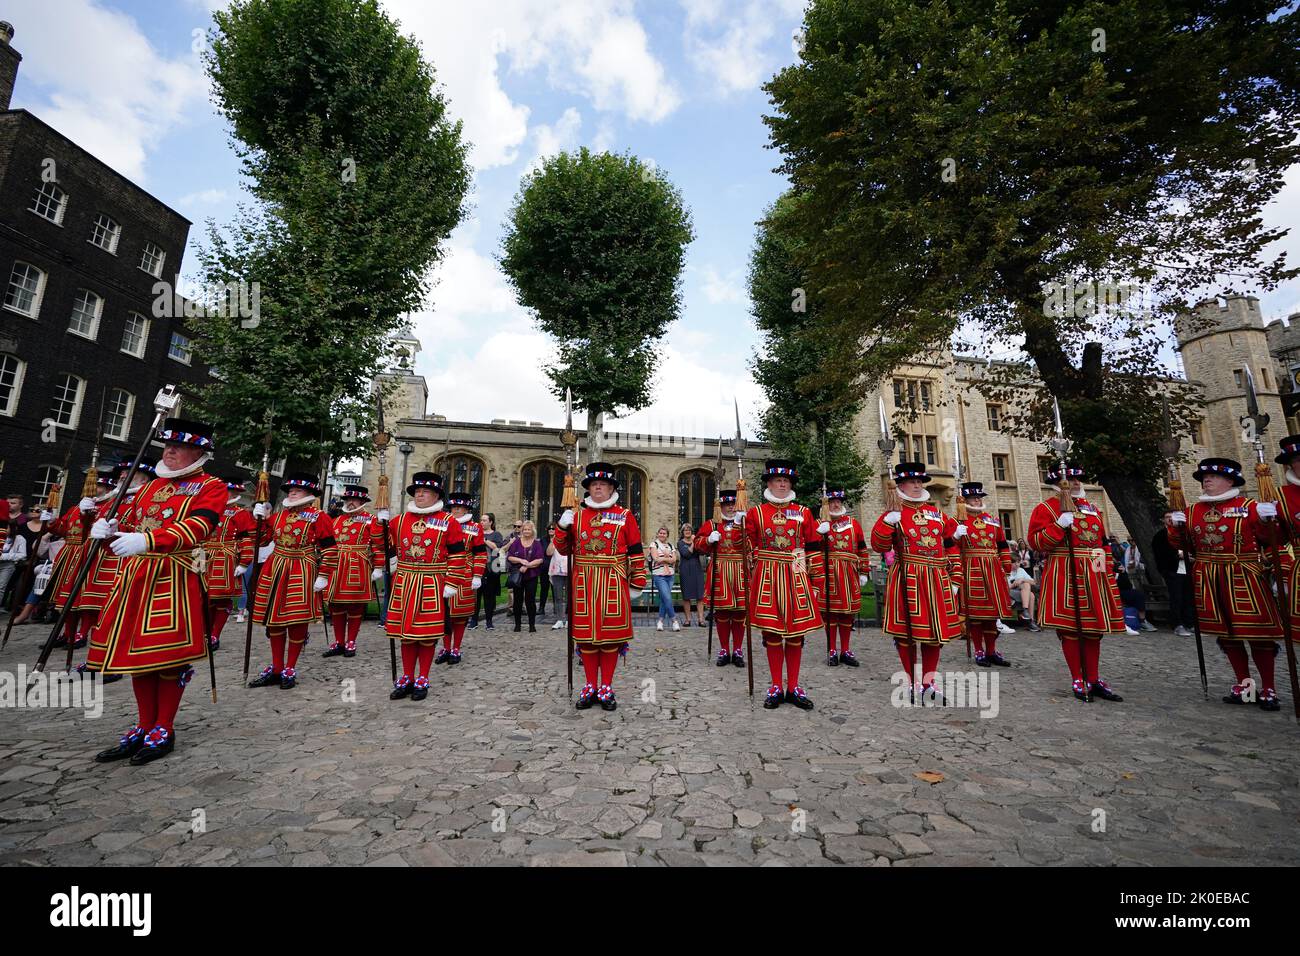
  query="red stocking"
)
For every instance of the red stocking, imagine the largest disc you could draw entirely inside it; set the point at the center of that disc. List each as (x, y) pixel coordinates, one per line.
(723, 626)
(86, 620)
(458, 632)
(1092, 655)
(929, 662)
(410, 651)
(991, 639)
(146, 699)
(297, 641)
(277, 649)
(340, 621)
(220, 613)
(846, 631)
(1070, 648)
(1265, 655)
(169, 699)
(907, 655)
(426, 657)
(70, 626)
(591, 667)
(793, 655)
(976, 632)
(354, 628)
(608, 661)
(775, 656)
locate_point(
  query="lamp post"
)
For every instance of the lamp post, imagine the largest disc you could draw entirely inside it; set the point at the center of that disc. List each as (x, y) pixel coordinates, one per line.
(405, 447)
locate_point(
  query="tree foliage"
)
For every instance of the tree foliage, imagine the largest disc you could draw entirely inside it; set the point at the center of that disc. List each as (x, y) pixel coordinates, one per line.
(810, 418)
(956, 161)
(359, 175)
(594, 248)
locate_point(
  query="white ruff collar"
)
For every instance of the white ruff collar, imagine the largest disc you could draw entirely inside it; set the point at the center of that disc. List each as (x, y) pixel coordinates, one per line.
(975, 509)
(924, 496)
(232, 500)
(773, 499)
(607, 503)
(465, 519)
(300, 503)
(1291, 479)
(1223, 496)
(411, 508)
(164, 472)
(353, 507)
(104, 497)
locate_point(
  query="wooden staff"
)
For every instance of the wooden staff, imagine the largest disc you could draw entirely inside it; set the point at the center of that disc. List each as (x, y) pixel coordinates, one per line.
(1268, 492)
(1177, 502)
(254, 574)
(742, 505)
(1060, 445)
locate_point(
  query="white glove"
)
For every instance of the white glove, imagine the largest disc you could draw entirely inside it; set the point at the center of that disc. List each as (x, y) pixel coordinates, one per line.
(1065, 519)
(133, 542)
(47, 515)
(265, 553)
(321, 583)
(714, 537)
(240, 570)
(862, 580)
(960, 532)
(634, 593)
(1266, 510)
(738, 519)
(956, 590)
(103, 528)
(87, 504)
(392, 564)
(566, 519)
(476, 583)
(448, 591)
(377, 574)
(262, 509)
(1177, 517)
(824, 527)
(383, 515)
(893, 518)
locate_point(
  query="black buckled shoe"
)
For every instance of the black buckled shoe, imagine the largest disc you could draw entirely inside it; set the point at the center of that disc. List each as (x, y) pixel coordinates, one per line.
(455, 658)
(216, 644)
(267, 678)
(1269, 701)
(81, 642)
(982, 660)
(350, 649)
(606, 697)
(997, 660)
(1234, 695)
(932, 696)
(796, 696)
(420, 689)
(586, 697)
(158, 743)
(127, 745)
(1081, 693)
(832, 659)
(1101, 689)
(724, 658)
(738, 658)
(443, 657)
(288, 678)
(775, 698)
(334, 650)
(848, 660)
(401, 689)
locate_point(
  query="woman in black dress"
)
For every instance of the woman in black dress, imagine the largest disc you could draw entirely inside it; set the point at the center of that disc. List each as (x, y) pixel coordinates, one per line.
(692, 576)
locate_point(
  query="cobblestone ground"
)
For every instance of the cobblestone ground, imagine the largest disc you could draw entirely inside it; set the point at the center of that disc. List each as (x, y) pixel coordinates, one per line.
(496, 767)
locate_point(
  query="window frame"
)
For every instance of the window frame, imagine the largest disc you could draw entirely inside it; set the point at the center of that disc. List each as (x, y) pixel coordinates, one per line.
(37, 297)
(162, 259)
(77, 404)
(189, 347)
(10, 408)
(993, 416)
(42, 493)
(144, 335)
(1008, 476)
(62, 207)
(93, 335)
(126, 418)
(116, 234)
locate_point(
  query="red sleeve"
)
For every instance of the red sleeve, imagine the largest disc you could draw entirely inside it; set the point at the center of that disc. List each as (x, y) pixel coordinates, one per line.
(377, 545)
(636, 571)
(478, 554)
(1044, 533)
(245, 532)
(702, 537)
(952, 548)
(882, 536)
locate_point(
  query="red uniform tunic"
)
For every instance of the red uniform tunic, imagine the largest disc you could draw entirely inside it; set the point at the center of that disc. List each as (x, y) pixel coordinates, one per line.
(430, 555)
(304, 549)
(609, 565)
(1227, 572)
(72, 526)
(1100, 608)
(849, 558)
(462, 605)
(99, 580)
(724, 587)
(360, 540)
(1288, 510)
(231, 547)
(153, 619)
(782, 598)
(931, 565)
(985, 563)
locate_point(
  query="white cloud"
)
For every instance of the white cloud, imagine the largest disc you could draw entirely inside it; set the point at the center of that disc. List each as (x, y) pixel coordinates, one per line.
(726, 289)
(554, 139)
(733, 43)
(103, 84)
(204, 197)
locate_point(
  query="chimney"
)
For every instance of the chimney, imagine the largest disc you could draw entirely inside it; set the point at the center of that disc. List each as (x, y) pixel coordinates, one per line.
(9, 60)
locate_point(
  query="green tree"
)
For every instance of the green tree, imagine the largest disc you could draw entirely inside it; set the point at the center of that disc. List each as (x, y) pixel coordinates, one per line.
(960, 163)
(810, 416)
(594, 248)
(359, 175)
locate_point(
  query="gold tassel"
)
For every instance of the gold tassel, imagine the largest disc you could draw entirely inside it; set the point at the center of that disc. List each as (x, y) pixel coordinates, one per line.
(89, 488)
(263, 487)
(1267, 486)
(569, 497)
(381, 494)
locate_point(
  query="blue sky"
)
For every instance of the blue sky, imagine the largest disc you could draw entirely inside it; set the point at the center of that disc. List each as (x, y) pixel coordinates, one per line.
(673, 81)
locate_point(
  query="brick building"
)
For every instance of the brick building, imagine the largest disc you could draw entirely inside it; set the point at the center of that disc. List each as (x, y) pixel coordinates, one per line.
(81, 249)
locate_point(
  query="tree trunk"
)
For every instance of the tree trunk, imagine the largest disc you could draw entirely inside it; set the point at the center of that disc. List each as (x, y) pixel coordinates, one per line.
(1141, 514)
(595, 435)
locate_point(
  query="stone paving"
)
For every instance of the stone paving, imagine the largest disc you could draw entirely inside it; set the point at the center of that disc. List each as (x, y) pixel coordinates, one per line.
(496, 767)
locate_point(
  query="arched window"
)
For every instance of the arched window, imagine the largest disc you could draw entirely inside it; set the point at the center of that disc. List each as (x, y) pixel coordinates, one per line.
(47, 476)
(631, 489)
(541, 488)
(696, 492)
(463, 473)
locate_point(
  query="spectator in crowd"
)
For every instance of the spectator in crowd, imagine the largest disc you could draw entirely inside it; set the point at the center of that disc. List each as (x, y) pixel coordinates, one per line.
(1173, 569)
(490, 591)
(559, 575)
(526, 555)
(13, 555)
(1023, 591)
(544, 581)
(1132, 598)
(692, 574)
(663, 560)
